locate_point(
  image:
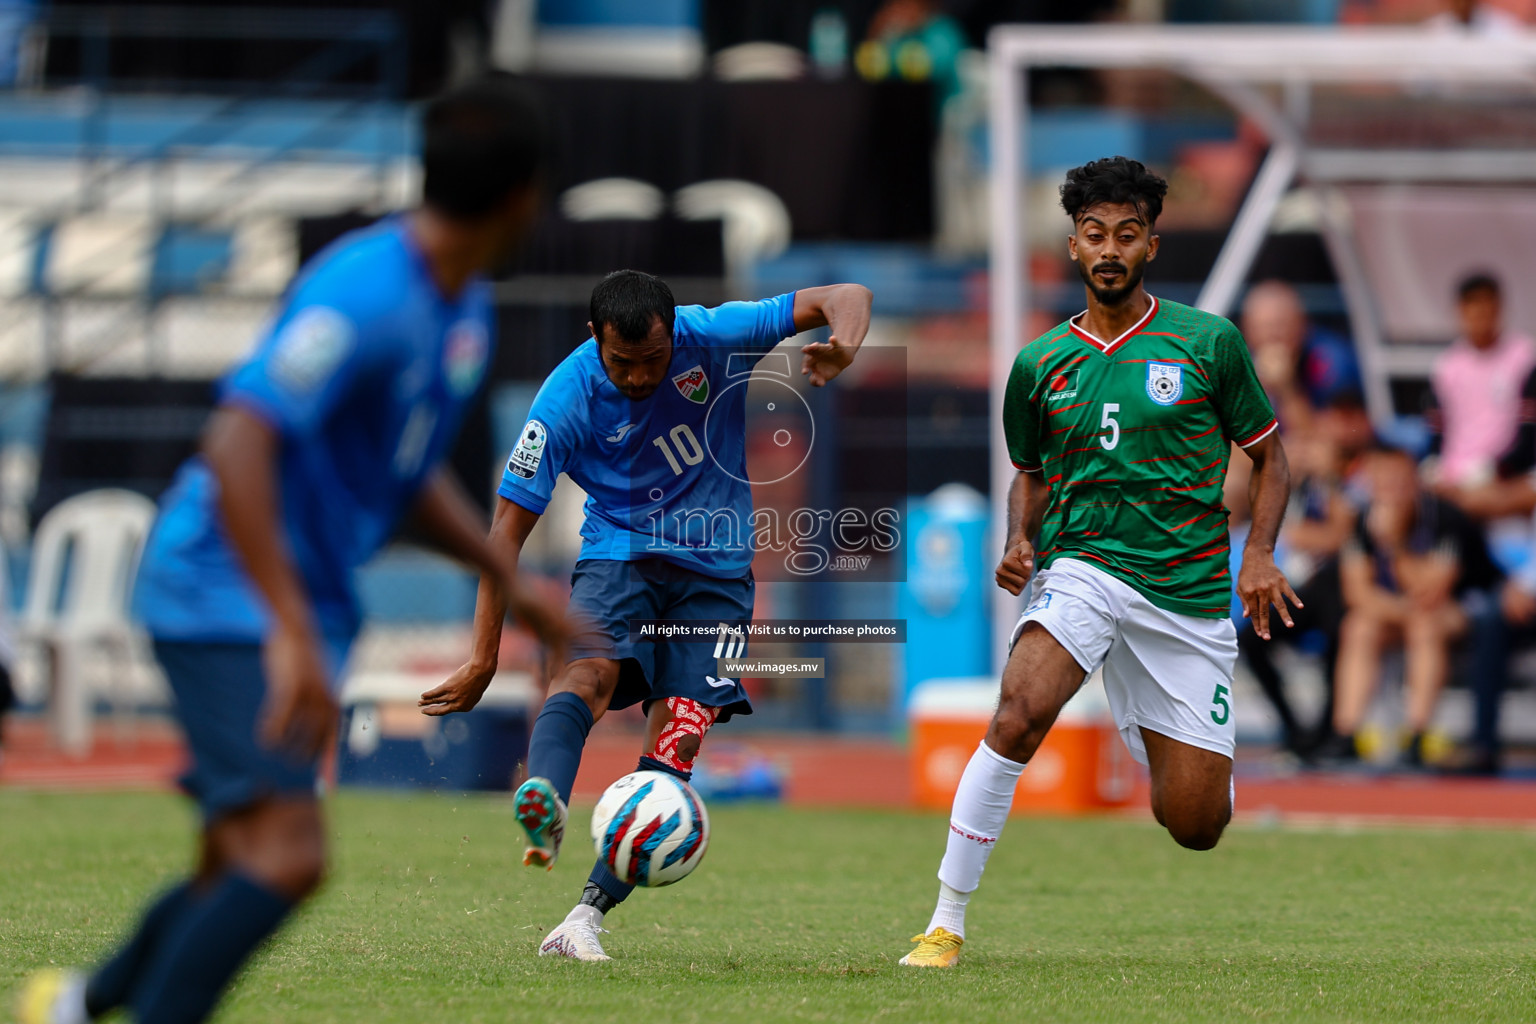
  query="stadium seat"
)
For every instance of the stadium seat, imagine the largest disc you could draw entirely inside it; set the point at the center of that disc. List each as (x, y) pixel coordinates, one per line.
(757, 225)
(99, 254)
(613, 199)
(84, 558)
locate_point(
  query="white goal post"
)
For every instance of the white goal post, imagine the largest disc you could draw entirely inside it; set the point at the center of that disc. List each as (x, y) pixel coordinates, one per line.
(1268, 75)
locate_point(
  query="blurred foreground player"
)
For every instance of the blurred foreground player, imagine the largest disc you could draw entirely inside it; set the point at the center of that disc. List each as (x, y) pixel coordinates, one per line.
(1120, 423)
(332, 432)
(641, 417)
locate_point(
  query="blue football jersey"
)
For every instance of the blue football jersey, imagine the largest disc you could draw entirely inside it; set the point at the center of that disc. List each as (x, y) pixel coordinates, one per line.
(665, 476)
(365, 372)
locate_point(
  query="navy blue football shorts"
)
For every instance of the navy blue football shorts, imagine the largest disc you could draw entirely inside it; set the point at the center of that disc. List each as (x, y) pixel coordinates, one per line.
(608, 594)
(219, 690)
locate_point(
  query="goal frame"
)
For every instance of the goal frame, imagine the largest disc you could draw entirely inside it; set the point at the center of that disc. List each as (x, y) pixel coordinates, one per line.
(1243, 67)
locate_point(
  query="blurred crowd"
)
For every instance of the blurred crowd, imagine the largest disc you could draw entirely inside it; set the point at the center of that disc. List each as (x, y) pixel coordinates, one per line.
(1419, 551)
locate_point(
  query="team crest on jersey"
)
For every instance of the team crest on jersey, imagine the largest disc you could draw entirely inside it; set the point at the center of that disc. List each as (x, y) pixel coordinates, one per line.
(529, 451)
(693, 385)
(1165, 382)
(1063, 385)
(464, 356)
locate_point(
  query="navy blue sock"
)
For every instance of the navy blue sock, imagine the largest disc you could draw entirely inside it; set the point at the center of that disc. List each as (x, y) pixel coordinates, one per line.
(109, 987)
(204, 948)
(610, 891)
(559, 733)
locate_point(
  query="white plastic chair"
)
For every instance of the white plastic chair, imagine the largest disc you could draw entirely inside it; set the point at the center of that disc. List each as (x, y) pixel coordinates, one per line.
(613, 199)
(85, 555)
(756, 221)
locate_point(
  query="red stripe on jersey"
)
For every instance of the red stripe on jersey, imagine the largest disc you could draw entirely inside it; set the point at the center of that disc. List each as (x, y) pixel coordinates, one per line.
(1064, 408)
(1042, 359)
(1025, 469)
(1190, 401)
(1219, 575)
(1202, 434)
(1054, 478)
(1193, 487)
(1168, 334)
(1211, 552)
(1255, 438)
(1189, 522)
(1172, 458)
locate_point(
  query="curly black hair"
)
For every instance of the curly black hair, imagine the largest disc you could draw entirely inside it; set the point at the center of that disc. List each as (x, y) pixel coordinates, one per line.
(1114, 179)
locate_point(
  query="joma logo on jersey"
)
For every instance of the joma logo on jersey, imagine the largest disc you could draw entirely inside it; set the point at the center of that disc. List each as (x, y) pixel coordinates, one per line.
(693, 385)
(1165, 382)
(1063, 385)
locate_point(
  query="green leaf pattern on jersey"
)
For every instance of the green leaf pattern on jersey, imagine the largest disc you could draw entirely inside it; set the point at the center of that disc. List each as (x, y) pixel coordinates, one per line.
(1148, 510)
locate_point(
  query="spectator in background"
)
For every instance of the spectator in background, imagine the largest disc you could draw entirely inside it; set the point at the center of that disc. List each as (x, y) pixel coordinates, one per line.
(1476, 390)
(1303, 368)
(1318, 522)
(915, 40)
(1410, 576)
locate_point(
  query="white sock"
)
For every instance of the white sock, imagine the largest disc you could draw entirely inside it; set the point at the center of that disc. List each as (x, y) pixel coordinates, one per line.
(981, 807)
(585, 912)
(950, 913)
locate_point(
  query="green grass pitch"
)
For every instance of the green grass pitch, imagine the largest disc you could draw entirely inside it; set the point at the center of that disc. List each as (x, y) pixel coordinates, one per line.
(801, 915)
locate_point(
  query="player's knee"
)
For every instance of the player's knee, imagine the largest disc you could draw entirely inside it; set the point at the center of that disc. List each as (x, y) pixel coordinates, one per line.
(281, 846)
(1194, 829)
(1360, 627)
(589, 681)
(1017, 729)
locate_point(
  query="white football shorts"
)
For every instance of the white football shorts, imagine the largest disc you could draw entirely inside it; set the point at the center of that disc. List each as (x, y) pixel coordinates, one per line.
(1168, 672)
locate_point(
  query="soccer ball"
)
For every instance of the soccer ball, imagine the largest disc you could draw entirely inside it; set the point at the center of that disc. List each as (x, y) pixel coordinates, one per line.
(650, 828)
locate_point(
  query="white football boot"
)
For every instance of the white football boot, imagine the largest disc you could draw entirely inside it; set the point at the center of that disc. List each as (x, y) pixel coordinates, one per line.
(576, 936)
(541, 812)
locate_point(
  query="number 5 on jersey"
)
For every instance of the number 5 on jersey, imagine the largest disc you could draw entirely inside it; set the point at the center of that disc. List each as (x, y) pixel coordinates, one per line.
(1108, 422)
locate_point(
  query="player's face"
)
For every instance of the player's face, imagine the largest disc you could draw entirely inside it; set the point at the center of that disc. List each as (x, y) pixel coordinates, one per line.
(636, 368)
(1480, 316)
(1111, 247)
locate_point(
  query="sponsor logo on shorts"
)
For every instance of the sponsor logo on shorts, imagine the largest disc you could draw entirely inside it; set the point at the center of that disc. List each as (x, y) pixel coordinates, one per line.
(1040, 604)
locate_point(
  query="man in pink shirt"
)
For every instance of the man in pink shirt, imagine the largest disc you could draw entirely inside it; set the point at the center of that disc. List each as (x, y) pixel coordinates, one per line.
(1477, 386)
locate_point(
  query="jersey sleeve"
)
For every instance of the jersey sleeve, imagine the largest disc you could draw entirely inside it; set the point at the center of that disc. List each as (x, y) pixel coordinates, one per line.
(1246, 415)
(1021, 420)
(748, 327)
(544, 447)
(315, 353)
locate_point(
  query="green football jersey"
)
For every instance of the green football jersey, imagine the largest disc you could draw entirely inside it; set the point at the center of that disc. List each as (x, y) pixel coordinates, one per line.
(1133, 437)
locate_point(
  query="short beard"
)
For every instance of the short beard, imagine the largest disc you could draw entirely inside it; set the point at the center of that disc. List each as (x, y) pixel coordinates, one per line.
(1112, 296)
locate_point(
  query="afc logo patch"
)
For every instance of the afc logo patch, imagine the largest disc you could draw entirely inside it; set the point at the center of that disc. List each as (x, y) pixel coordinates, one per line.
(1165, 382)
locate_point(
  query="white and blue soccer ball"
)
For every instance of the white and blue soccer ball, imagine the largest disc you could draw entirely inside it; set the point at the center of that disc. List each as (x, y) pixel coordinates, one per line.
(650, 828)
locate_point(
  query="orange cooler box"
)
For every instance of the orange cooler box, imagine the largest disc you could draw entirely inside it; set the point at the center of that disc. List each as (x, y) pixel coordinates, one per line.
(1081, 766)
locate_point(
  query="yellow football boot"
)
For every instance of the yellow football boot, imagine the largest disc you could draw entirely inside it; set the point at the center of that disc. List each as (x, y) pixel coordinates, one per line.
(939, 948)
(51, 996)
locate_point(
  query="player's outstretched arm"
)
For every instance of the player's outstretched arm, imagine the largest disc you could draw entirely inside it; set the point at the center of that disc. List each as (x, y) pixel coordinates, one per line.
(1260, 583)
(845, 309)
(1028, 499)
(445, 511)
(241, 450)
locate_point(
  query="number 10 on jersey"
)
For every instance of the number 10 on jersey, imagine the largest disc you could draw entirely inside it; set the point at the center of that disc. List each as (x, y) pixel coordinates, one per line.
(685, 446)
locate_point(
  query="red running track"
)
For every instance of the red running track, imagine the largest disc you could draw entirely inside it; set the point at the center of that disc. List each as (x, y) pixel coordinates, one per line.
(827, 772)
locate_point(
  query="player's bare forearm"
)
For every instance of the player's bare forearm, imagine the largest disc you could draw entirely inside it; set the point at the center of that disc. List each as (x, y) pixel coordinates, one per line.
(1028, 499)
(510, 526)
(241, 449)
(845, 308)
(1260, 583)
